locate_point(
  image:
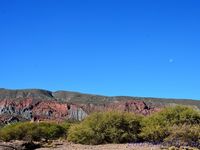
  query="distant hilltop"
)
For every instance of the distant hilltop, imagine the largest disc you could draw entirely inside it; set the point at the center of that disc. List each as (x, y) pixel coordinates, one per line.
(37, 104)
(68, 96)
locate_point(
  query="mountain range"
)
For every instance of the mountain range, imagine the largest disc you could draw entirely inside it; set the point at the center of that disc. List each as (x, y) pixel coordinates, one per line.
(39, 105)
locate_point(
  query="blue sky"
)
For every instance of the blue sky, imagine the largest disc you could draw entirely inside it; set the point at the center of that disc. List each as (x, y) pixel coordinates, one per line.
(108, 47)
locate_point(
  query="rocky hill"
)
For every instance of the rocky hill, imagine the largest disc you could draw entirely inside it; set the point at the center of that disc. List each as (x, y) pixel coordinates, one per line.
(35, 104)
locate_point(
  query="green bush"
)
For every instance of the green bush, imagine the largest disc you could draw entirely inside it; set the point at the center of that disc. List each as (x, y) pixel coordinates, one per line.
(8, 133)
(173, 126)
(33, 131)
(156, 128)
(154, 133)
(106, 127)
(185, 135)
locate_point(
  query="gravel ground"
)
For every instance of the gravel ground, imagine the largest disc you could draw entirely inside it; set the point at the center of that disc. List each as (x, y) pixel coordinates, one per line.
(69, 146)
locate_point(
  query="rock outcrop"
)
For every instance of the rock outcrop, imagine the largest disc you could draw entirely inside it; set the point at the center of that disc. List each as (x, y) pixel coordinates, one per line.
(28, 109)
(36, 105)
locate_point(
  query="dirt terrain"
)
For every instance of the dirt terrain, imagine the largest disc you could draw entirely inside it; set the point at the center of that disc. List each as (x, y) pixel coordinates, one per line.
(64, 145)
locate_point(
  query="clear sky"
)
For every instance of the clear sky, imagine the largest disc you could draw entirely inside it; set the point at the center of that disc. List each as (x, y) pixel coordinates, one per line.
(108, 47)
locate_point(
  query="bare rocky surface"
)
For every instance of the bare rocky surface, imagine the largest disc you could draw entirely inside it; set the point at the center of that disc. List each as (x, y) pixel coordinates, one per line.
(64, 145)
(22, 145)
(69, 146)
(19, 145)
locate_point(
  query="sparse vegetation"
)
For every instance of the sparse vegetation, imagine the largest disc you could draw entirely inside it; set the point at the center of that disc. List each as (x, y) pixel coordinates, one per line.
(106, 127)
(173, 126)
(33, 131)
(158, 126)
(178, 124)
(184, 135)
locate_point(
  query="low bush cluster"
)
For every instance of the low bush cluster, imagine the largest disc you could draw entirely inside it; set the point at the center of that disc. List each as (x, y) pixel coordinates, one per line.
(33, 131)
(172, 126)
(177, 126)
(157, 126)
(184, 135)
(106, 127)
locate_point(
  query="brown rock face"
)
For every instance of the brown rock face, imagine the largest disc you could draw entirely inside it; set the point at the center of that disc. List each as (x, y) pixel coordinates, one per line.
(134, 106)
(28, 109)
(138, 107)
(21, 105)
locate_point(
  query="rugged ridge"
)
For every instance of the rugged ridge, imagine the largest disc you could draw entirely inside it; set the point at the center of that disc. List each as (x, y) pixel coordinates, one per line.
(36, 104)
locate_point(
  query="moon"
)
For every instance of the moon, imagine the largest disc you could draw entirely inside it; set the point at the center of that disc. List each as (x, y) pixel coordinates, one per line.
(171, 60)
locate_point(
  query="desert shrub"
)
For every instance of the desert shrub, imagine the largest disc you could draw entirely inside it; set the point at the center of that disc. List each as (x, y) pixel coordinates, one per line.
(33, 131)
(154, 133)
(46, 131)
(184, 135)
(156, 128)
(180, 115)
(66, 126)
(106, 127)
(8, 133)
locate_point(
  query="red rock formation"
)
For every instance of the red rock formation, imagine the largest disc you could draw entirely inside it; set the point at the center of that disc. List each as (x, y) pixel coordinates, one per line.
(138, 107)
(29, 109)
(54, 110)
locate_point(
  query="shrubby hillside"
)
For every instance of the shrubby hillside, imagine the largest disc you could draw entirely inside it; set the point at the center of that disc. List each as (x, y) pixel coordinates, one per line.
(171, 126)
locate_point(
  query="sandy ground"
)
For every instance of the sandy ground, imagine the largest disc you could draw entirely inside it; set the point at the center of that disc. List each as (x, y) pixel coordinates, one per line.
(69, 146)
(64, 145)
